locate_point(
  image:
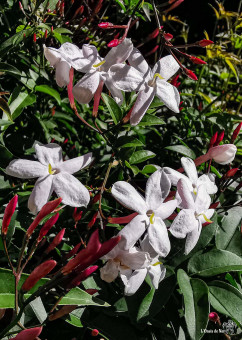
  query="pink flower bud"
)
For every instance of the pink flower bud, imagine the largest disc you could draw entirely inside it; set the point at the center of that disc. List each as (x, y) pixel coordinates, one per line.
(34, 37)
(47, 226)
(45, 210)
(94, 332)
(122, 220)
(77, 215)
(81, 277)
(96, 198)
(38, 273)
(220, 138)
(222, 154)
(176, 4)
(213, 316)
(28, 334)
(20, 6)
(205, 42)
(154, 34)
(231, 173)
(196, 60)
(57, 240)
(52, 28)
(168, 36)
(93, 220)
(73, 251)
(46, 33)
(152, 51)
(236, 132)
(105, 25)
(214, 205)
(8, 213)
(175, 82)
(190, 74)
(213, 139)
(114, 43)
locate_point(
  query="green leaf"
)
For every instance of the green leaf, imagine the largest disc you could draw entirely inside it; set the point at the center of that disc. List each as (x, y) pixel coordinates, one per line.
(134, 168)
(231, 66)
(39, 309)
(149, 120)
(79, 297)
(195, 293)
(4, 122)
(113, 108)
(4, 106)
(141, 156)
(183, 150)
(62, 30)
(228, 236)
(226, 299)
(6, 156)
(7, 68)
(145, 304)
(214, 262)
(48, 90)
(128, 141)
(148, 169)
(20, 102)
(74, 317)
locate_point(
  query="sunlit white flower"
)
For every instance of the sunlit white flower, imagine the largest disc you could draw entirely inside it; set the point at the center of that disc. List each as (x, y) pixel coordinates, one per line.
(222, 154)
(195, 212)
(150, 83)
(85, 89)
(151, 209)
(53, 175)
(67, 56)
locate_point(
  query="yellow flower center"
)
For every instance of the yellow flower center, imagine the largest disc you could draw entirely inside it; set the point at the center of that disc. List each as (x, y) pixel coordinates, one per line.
(51, 172)
(158, 75)
(99, 64)
(205, 217)
(157, 263)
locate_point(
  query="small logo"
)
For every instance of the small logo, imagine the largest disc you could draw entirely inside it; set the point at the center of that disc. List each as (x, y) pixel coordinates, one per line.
(229, 327)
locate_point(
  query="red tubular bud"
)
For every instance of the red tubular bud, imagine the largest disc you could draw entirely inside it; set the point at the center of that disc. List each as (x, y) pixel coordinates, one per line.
(93, 220)
(236, 132)
(45, 210)
(73, 251)
(34, 37)
(219, 139)
(176, 4)
(20, 6)
(77, 215)
(196, 60)
(52, 28)
(213, 139)
(91, 291)
(105, 25)
(175, 82)
(231, 173)
(47, 226)
(154, 34)
(96, 198)
(152, 51)
(49, 10)
(98, 7)
(213, 316)
(190, 74)
(94, 332)
(114, 43)
(65, 310)
(70, 87)
(65, 141)
(28, 334)
(214, 205)
(38, 273)
(168, 36)
(46, 33)
(57, 240)
(81, 277)
(8, 213)
(122, 220)
(205, 42)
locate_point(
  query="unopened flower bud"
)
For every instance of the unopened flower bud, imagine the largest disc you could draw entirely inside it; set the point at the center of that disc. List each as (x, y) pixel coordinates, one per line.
(91, 291)
(38, 273)
(152, 51)
(93, 220)
(94, 332)
(168, 36)
(196, 60)
(73, 251)
(28, 334)
(47, 226)
(46, 33)
(96, 198)
(52, 28)
(205, 42)
(154, 34)
(213, 316)
(105, 25)
(114, 43)
(231, 173)
(81, 277)
(56, 241)
(220, 138)
(34, 37)
(175, 82)
(77, 215)
(222, 154)
(213, 139)
(236, 132)
(190, 74)
(8, 213)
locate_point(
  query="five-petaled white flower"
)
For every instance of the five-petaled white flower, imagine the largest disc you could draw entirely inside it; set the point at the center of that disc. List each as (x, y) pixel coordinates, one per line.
(150, 83)
(85, 89)
(67, 56)
(53, 175)
(151, 210)
(195, 212)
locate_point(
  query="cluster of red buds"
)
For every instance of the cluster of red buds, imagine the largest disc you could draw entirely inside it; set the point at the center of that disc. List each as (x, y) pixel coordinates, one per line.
(108, 25)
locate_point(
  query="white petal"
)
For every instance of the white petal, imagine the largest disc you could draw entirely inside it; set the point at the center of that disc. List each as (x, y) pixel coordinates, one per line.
(208, 180)
(49, 154)
(223, 154)
(174, 177)
(126, 195)
(138, 61)
(62, 73)
(168, 94)
(208, 214)
(23, 168)
(158, 237)
(85, 89)
(203, 200)
(85, 59)
(146, 246)
(184, 223)
(73, 193)
(75, 164)
(157, 188)
(52, 55)
(166, 67)
(109, 272)
(134, 260)
(126, 78)
(142, 104)
(133, 231)
(116, 93)
(157, 274)
(40, 194)
(70, 51)
(166, 209)
(192, 238)
(135, 281)
(190, 169)
(118, 54)
(185, 194)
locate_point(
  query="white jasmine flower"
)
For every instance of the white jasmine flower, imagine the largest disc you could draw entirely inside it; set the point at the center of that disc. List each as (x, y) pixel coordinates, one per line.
(85, 89)
(151, 210)
(67, 56)
(53, 175)
(188, 222)
(150, 83)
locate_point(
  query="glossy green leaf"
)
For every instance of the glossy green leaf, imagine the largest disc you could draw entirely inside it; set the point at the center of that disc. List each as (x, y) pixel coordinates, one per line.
(62, 30)
(149, 120)
(195, 293)
(128, 141)
(20, 102)
(6, 156)
(50, 91)
(183, 150)
(4, 122)
(9, 69)
(113, 108)
(77, 296)
(214, 262)
(226, 299)
(141, 156)
(134, 168)
(74, 317)
(4, 106)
